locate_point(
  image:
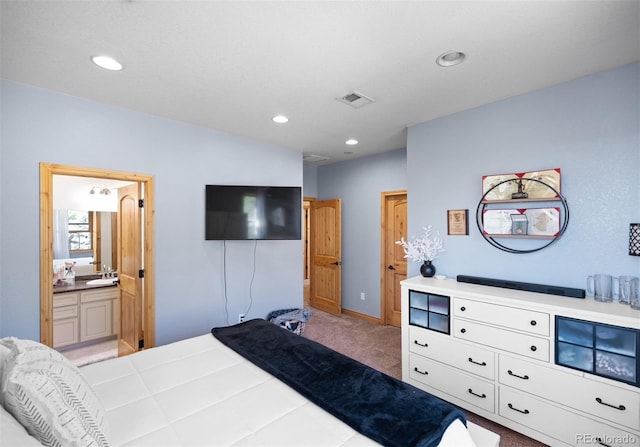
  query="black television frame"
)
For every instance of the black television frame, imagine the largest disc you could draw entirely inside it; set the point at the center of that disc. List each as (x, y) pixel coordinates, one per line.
(232, 224)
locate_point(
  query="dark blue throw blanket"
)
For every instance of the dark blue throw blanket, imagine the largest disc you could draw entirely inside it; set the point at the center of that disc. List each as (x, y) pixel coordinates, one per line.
(385, 409)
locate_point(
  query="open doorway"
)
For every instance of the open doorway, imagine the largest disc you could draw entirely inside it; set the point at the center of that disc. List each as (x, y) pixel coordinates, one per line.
(147, 294)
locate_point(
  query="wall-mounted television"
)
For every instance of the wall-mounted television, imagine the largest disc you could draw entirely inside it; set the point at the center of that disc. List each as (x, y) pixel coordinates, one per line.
(253, 212)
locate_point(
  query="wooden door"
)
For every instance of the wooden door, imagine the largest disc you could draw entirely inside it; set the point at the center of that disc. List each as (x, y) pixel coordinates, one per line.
(130, 264)
(326, 279)
(394, 264)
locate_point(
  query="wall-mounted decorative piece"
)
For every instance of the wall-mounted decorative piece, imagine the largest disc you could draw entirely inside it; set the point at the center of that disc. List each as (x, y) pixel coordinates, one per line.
(501, 215)
(540, 222)
(516, 187)
(458, 222)
(634, 239)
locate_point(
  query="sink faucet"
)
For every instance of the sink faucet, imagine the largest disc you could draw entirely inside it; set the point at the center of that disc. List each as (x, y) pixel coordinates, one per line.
(108, 272)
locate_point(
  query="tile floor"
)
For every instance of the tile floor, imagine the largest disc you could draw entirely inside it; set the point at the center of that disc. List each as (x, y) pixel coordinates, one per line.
(92, 353)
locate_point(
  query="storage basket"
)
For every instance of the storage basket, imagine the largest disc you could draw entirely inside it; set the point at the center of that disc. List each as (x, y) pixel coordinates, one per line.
(293, 320)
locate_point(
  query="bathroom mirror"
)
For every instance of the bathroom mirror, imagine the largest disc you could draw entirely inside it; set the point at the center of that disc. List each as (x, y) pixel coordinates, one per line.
(100, 241)
(84, 222)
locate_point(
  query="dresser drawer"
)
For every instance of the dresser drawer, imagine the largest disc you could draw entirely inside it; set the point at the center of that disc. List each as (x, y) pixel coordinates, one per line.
(526, 345)
(468, 388)
(60, 313)
(65, 299)
(445, 349)
(597, 398)
(559, 423)
(510, 317)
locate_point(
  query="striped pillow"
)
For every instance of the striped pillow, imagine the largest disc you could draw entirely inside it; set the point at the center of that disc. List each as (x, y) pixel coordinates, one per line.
(50, 398)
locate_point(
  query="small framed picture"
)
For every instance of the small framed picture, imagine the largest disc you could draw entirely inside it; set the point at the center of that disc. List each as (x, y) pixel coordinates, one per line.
(458, 222)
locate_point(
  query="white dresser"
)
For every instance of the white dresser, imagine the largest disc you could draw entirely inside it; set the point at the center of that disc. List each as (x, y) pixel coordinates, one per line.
(492, 351)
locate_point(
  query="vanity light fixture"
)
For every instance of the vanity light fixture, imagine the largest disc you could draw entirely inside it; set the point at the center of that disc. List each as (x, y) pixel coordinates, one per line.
(101, 191)
(280, 119)
(451, 58)
(106, 62)
(351, 142)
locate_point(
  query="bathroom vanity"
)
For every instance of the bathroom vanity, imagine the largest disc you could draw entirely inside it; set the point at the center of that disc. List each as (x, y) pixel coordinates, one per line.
(84, 313)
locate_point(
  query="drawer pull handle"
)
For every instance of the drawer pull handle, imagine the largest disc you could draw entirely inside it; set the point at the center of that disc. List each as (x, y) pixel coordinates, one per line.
(424, 345)
(525, 377)
(462, 309)
(424, 373)
(533, 322)
(483, 396)
(525, 411)
(477, 363)
(463, 330)
(617, 407)
(533, 348)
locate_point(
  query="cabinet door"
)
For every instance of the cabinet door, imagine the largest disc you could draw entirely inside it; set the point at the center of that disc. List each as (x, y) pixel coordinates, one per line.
(115, 316)
(65, 332)
(95, 320)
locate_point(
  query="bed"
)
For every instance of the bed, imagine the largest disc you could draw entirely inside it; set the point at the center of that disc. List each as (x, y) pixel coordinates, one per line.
(209, 390)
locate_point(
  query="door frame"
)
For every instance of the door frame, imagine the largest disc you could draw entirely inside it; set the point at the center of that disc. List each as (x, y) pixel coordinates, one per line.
(383, 242)
(47, 171)
(307, 223)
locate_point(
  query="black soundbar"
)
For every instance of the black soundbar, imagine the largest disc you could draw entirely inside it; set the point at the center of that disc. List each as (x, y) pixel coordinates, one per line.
(529, 287)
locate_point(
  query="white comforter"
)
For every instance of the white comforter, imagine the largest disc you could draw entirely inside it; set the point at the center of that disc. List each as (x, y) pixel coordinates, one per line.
(198, 392)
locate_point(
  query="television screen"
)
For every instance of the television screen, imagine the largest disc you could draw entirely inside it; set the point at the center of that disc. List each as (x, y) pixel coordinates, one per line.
(253, 212)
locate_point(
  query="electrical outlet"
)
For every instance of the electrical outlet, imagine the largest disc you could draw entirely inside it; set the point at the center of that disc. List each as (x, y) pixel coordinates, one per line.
(241, 318)
(362, 296)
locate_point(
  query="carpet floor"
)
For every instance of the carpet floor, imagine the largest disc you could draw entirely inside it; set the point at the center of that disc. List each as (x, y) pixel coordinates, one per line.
(380, 347)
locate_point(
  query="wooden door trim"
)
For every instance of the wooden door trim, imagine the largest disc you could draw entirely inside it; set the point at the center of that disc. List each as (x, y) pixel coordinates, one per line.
(383, 267)
(47, 171)
(308, 233)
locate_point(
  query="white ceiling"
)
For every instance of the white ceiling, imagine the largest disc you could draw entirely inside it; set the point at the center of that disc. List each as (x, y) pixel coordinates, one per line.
(232, 65)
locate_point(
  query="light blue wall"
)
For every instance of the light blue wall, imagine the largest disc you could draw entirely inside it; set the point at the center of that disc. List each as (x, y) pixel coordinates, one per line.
(359, 184)
(310, 181)
(44, 126)
(589, 128)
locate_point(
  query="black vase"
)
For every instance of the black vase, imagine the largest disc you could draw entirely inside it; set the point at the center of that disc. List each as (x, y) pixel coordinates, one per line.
(427, 269)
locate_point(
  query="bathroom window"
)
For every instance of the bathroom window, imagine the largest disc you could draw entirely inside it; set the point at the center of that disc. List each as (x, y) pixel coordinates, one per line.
(80, 232)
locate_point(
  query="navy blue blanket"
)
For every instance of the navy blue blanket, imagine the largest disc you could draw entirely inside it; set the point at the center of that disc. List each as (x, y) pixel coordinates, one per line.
(385, 409)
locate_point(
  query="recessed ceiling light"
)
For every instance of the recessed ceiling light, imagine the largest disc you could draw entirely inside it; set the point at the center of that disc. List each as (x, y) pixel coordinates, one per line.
(450, 58)
(351, 142)
(107, 63)
(280, 119)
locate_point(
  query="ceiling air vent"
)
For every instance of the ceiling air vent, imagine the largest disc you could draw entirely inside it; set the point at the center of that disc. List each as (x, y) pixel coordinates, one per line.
(313, 158)
(356, 99)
